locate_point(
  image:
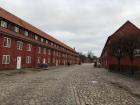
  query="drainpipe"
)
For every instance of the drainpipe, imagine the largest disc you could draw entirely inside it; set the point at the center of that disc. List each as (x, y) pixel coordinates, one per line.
(35, 57)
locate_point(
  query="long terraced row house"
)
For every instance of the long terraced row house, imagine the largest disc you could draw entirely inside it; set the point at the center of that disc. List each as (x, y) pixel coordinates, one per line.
(25, 46)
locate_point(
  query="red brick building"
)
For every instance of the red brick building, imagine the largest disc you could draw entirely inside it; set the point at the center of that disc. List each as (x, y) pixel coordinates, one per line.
(109, 61)
(25, 46)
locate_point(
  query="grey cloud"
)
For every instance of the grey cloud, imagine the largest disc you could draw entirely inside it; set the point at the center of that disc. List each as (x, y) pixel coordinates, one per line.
(84, 24)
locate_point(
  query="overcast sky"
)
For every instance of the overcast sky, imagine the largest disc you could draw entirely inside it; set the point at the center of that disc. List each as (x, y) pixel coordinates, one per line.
(83, 24)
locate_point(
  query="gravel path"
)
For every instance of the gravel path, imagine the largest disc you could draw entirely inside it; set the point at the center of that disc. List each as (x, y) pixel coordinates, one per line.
(74, 85)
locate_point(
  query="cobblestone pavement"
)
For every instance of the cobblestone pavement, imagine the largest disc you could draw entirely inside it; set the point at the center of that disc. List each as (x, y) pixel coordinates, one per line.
(74, 85)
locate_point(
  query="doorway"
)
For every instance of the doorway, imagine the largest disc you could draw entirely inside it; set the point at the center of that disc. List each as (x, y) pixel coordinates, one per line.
(19, 62)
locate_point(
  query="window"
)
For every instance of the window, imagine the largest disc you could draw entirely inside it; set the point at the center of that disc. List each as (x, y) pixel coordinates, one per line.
(44, 51)
(7, 42)
(19, 45)
(3, 23)
(47, 41)
(137, 52)
(51, 43)
(44, 60)
(26, 33)
(36, 37)
(29, 47)
(28, 59)
(38, 60)
(16, 29)
(39, 50)
(6, 59)
(42, 39)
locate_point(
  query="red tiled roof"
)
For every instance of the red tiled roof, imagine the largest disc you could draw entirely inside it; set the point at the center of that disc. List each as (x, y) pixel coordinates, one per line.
(12, 18)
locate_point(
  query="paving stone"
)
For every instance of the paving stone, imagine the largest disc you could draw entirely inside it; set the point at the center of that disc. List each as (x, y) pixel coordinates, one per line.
(74, 85)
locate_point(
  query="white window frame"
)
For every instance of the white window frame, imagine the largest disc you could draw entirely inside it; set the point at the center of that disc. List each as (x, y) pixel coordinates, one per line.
(43, 60)
(47, 41)
(29, 47)
(38, 60)
(26, 33)
(52, 43)
(7, 43)
(19, 45)
(137, 52)
(3, 24)
(16, 29)
(36, 37)
(28, 59)
(6, 61)
(39, 50)
(42, 40)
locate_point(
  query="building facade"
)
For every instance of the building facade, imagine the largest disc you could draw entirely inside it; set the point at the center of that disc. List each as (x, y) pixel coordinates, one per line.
(109, 61)
(25, 46)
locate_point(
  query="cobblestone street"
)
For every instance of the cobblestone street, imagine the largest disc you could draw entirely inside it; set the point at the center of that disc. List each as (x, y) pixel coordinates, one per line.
(74, 85)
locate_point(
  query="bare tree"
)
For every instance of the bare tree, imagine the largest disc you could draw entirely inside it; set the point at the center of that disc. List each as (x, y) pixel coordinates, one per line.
(116, 49)
(125, 45)
(131, 41)
(82, 56)
(91, 56)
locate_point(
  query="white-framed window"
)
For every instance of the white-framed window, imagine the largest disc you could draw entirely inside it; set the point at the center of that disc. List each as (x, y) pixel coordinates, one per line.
(44, 61)
(44, 50)
(7, 42)
(52, 43)
(39, 50)
(46, 41)
(38, 60)
(49, 52)
(19, 45)
(137, 52)
(28, 59)
(26, 33)
(29, 47)
(16, 29)
(36, 37)
(3, 24)
(42, 39)
(6, 59)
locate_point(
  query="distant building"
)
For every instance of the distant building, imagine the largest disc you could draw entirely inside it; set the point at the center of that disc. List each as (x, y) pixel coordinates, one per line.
(25, 46)
(109, 61)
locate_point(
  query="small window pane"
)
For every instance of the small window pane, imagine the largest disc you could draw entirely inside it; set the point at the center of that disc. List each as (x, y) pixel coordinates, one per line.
(3, 23)
(26, 33)
(16, 29)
